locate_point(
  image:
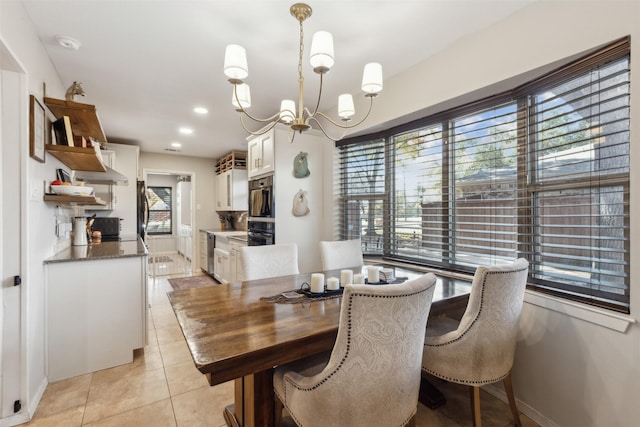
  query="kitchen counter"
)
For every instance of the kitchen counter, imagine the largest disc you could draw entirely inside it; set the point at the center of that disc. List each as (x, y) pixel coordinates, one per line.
(103, 250)
(96, 307)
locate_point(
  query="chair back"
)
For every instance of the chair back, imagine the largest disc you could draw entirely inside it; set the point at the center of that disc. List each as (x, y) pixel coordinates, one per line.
(341, 254)
(482, 348)
(373, 374)
(262, 262)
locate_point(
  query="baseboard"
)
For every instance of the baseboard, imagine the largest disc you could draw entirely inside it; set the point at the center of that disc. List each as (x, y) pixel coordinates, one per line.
(26, 415)
(497, 391)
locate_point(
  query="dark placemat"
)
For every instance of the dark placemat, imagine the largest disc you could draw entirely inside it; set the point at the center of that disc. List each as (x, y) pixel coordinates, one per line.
(297, 296)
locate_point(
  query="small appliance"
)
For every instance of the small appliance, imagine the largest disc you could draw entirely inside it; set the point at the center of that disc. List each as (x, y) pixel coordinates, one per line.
(79, 231)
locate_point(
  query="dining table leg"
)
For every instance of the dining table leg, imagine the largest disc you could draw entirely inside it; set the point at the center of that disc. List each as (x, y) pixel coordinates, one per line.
(253, 401)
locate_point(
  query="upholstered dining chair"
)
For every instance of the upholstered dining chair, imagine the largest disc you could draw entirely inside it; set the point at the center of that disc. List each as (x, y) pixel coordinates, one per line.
(480, 348)
(341, 254)
(372, 376)
(262, 262)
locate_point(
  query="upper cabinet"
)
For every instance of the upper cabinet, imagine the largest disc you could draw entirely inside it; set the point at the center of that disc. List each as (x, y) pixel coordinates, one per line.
(261, 155)
(84, 122)
(232, 191)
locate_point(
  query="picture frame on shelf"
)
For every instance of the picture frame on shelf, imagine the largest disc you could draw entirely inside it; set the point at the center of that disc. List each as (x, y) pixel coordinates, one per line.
(37, 120)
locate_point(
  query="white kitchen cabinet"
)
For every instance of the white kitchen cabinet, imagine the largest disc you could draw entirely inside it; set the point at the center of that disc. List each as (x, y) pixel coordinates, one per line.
(203, 256)
(261, 155)
(184, 241)
(221, 265)
(96, 314)
(235, 269)
(232, 190)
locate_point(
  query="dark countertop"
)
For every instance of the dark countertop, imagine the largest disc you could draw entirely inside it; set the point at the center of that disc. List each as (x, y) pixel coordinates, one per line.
(103, 250)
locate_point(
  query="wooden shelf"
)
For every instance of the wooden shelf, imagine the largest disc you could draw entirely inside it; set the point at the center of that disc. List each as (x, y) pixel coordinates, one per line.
(84, 118)
(78, 200)
(232, 160)
(77, 158)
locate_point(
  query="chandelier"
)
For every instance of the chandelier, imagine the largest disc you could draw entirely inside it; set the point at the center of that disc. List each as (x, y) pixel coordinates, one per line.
(299, 119)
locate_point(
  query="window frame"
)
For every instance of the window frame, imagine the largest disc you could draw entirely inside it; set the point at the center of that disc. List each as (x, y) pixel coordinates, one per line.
(169, 189)
(619, 49)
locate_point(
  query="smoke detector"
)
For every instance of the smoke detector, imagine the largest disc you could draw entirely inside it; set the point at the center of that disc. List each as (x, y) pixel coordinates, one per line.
(68, 42)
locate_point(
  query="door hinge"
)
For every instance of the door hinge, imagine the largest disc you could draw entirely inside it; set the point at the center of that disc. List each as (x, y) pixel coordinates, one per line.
(17, 406)
(17, 280)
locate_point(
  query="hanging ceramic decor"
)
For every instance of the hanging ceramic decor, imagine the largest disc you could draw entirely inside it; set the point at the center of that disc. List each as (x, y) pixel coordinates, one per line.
(300, 167)
(300, 204)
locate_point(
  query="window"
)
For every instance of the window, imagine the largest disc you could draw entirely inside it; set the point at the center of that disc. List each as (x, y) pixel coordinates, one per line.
(540, 172)
(160, 210)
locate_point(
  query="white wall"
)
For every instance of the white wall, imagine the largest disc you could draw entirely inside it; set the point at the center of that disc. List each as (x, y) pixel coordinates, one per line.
(569, 369)
(39, 241)
(305, 231)
(203, 186)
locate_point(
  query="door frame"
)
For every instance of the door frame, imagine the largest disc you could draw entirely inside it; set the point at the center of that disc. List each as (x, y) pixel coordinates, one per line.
(19, 89)
(192, 175)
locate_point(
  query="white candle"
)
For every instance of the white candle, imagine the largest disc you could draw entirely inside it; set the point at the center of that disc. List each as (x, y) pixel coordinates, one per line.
(374, 274)
(358, 279)
(317, 283)
(346, 277)
(333, 283)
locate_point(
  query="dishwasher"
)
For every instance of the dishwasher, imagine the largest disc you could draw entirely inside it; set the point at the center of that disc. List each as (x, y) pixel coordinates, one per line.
(211, 245)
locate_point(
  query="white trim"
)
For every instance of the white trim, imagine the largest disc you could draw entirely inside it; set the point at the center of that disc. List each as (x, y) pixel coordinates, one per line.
(598, 316)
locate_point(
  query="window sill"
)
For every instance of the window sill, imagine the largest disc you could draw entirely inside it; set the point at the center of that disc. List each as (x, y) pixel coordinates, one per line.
(597, 316)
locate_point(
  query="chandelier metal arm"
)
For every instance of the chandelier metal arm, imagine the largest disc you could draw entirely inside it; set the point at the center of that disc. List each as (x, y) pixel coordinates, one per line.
(259, 131)
(243, 111)
(319, 96)
(324, 131)
(333, 122)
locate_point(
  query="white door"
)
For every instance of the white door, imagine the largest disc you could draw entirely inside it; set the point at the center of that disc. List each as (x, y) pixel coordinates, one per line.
(12, 94)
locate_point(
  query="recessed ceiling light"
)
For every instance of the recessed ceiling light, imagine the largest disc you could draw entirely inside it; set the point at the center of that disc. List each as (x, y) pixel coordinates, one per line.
(200, 110)
(68, 42)
(176, 144)
(185, 131)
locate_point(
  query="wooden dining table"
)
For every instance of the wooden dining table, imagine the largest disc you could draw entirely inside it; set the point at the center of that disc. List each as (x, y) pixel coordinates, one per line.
(237, 332)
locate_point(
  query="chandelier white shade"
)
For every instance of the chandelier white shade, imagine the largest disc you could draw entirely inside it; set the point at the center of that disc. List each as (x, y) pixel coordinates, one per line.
(299, 118)
(321, 56)
(235, 62)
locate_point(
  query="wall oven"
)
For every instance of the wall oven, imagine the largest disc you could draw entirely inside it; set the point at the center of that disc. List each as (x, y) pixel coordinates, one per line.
(261, 232)
(261, 198)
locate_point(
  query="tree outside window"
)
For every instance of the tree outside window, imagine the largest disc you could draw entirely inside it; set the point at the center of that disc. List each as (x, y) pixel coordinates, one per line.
(160, 210)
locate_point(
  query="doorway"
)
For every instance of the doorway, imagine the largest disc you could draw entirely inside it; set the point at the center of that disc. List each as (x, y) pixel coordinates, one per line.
(13, 331)
(171, 222)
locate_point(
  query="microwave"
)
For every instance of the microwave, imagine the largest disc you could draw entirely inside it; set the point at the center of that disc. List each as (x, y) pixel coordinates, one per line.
(261, 198)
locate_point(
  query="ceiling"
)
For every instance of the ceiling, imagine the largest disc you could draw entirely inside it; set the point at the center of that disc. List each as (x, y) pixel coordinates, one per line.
(146, 64)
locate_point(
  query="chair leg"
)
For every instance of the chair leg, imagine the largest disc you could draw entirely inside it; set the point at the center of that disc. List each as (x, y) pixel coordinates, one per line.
(277, 412)
(508, 387)
(474, 393)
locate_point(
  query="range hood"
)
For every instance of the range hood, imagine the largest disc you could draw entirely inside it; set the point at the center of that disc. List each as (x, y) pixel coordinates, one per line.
(111, 177)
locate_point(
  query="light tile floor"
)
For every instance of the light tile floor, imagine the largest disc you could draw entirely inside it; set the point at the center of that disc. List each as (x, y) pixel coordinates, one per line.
(161, 387)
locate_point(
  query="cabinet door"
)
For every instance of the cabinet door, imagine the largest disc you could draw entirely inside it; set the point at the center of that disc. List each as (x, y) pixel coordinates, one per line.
(233, 255)
(268, 153)
(261, 155)
(203, 251)
(222, 193)
(239, 190)
(221, 271)
(254, 155)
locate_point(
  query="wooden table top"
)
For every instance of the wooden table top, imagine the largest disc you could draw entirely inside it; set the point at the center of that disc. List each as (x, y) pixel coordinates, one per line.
(231, 333)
